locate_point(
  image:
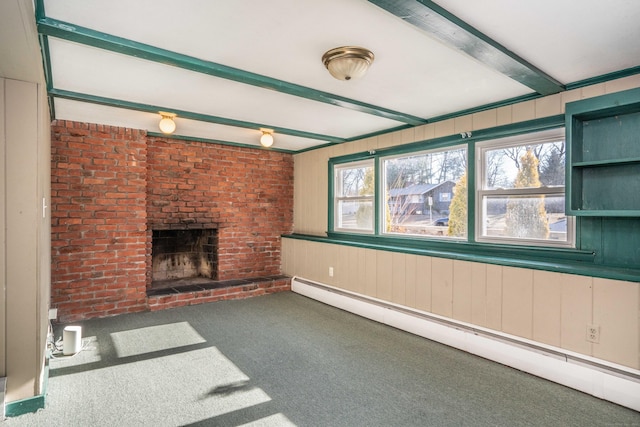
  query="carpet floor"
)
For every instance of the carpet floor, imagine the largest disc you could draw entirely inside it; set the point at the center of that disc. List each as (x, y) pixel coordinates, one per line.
(286, 360)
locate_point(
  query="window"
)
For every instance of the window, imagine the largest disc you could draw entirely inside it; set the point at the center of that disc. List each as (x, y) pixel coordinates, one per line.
(420, 193)
(506, 189)
(354, 188)
(520, 190)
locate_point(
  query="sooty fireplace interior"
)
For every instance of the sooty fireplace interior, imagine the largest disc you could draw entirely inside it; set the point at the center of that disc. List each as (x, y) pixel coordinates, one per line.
(177, 255)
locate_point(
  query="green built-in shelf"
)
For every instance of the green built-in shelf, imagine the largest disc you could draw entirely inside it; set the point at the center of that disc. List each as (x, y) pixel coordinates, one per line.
(603, 155)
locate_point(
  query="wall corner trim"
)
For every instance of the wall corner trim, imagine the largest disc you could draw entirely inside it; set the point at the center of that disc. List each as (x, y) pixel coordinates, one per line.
(599, 378)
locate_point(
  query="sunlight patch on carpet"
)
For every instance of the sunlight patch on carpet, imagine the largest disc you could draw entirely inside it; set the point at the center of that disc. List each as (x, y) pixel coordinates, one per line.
(155, 338)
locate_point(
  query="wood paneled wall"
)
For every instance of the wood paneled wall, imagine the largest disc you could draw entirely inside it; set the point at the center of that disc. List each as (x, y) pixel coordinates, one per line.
(546, 307)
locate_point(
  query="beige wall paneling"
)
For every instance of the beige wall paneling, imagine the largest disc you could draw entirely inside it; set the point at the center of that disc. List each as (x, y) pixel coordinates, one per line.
(547, 307)
(428, 131)
(327, 256)
(523, 111)
(494, 297)
(548, 106)
(336, 150)
(408, 135)
(444, 128)
(398, 278)
(3, 227)
(463, 124)
(624, 83)
(485, 119)
(371, 272)
(462, 290)
(355, 269)
(384, 277)
(385, 140)
(423, 283)
(576, 312)
(286, 257)
(504, 115)
(23, 212)
(615, 311)
(411, 280)
(361, 272)
(300, 258)
(442, 286)
(517, 301)
(594, 90)
(363, 145)
(340, 264)
(570, 96)
(479, 294)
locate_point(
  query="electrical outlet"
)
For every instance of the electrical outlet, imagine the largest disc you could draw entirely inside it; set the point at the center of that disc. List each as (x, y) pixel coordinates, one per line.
(53, 313)
(330, 271)
(593, 333)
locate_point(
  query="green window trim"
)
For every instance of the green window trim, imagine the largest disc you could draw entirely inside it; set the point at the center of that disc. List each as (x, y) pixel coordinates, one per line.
(575, 260)
(466, 138)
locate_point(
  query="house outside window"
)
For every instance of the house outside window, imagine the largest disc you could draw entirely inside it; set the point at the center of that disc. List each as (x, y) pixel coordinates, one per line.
(419, 189)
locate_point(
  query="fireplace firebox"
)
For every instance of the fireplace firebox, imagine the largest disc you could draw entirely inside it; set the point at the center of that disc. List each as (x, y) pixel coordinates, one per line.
(179, 255)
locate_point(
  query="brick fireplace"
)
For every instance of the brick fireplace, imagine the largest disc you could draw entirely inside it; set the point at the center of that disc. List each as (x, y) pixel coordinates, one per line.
(113, 188)
(183, 256)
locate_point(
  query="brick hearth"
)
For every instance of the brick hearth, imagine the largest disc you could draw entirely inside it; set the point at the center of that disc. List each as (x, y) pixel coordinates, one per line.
(112, 186)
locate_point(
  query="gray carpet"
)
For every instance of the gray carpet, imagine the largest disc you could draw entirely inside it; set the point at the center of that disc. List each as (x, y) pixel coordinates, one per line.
(284, 360)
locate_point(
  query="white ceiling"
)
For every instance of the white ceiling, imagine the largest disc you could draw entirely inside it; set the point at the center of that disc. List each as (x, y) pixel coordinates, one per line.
(423, 69)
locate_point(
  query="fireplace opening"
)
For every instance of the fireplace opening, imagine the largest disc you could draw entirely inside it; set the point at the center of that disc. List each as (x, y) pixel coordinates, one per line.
(183, 256)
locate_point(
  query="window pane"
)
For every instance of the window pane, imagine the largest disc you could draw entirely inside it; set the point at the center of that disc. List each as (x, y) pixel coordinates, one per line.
(355, 181)
(354, 198)
(355, 215)
(530, 217)
(426, 193)
(538, 164)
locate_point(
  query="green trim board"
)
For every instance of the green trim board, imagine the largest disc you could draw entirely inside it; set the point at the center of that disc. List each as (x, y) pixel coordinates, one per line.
(118, 103)
(24, 406)
(452, 31)
(87, 36)
(579, 265)
(603, 155)
(217, 141)
(604, 78)
(46, 63)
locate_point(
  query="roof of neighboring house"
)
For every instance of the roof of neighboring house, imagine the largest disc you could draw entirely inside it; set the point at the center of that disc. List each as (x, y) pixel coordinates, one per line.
(414, 189)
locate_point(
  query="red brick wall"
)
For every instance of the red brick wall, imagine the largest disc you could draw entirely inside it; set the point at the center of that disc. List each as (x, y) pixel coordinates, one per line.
(111, 186)
(98, 213)
(246, 193)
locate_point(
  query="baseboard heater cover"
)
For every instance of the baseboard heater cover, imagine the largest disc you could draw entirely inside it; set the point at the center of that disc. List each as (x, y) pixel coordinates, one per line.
(598, 378)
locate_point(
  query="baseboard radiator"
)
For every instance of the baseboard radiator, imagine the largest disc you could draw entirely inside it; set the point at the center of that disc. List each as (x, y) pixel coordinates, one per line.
(599, 378)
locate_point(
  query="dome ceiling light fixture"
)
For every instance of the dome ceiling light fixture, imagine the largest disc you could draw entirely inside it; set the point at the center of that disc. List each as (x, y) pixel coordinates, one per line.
(267, 138)
(347, 62)
(167, 125)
